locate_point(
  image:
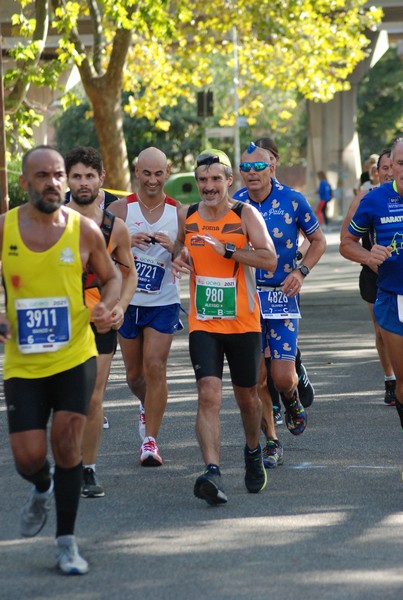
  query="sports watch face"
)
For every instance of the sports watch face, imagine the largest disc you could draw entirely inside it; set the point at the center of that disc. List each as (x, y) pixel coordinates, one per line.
(229, 249)
(304, 270)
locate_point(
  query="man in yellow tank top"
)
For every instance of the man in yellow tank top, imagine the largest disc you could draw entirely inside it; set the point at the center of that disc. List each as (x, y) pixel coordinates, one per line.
(50, 365)
(220, 243)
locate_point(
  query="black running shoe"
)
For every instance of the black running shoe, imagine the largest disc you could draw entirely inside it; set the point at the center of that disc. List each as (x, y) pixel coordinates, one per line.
(390, 393)
(90, 487)
(208, 487)
(278, 417)
(255, 473)
(306, 391)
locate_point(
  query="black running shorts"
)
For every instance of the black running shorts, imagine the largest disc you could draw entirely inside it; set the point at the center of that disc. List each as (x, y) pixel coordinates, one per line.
(367, 282)
(106, 342)
(31, 401)
(242, 351)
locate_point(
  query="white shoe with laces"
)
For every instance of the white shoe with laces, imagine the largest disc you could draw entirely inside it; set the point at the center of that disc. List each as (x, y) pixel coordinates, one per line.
(35, 511)
(149, 453)
(68, 558)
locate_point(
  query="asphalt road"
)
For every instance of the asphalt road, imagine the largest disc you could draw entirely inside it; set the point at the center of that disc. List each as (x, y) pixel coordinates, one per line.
(327, 527)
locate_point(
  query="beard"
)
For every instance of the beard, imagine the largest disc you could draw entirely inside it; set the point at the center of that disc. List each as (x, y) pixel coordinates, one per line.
(84, 201)
(44, 206)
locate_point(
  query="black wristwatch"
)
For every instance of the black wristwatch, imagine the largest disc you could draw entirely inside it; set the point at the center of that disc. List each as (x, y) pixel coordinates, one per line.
(229, 250)
(304, 270)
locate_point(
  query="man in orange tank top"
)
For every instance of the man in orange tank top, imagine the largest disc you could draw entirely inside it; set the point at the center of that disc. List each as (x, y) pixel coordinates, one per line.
(220, 242)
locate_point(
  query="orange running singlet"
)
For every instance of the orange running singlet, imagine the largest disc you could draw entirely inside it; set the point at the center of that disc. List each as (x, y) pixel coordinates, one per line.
(222, 291)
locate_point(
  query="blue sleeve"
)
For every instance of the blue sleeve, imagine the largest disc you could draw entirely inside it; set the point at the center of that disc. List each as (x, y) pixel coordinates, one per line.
(307, 220)
(361, 220)
(241, 194)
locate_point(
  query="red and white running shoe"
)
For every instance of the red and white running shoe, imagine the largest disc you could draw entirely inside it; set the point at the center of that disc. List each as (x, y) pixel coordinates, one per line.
(149, 453)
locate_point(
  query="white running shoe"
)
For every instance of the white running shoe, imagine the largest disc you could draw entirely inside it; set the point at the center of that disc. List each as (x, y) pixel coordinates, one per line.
(142, 423)
(35, 511)
(106, 422)
(68, 558)
(149, 453)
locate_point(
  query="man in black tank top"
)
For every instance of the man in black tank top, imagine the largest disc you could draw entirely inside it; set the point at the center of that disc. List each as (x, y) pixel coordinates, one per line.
(85, 175)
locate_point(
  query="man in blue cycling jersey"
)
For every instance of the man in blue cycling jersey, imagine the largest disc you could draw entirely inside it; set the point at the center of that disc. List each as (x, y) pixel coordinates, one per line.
(287, 214)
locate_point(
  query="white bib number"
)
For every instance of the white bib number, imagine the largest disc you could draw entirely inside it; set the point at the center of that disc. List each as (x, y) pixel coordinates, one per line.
(150, 273)
(215, 298)
(43, 324)
(276, 305)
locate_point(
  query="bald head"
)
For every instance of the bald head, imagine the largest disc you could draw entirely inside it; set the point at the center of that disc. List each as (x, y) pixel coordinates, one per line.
(152, 156)
(44, 178)
(39, 153)
(152, 171)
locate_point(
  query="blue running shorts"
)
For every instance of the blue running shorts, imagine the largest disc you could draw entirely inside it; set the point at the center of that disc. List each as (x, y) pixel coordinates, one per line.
(386, 313)
(279, 336)
(164, 319)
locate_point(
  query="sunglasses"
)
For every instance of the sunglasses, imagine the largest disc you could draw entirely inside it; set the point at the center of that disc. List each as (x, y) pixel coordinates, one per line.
(256, 166)
(207, 160)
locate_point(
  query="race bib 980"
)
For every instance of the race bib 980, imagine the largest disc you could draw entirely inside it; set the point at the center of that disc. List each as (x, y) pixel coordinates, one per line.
(215, 298)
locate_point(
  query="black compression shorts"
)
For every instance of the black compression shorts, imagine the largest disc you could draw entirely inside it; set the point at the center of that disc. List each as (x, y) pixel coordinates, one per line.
(367, 282)
(30, 401)
(242, 350)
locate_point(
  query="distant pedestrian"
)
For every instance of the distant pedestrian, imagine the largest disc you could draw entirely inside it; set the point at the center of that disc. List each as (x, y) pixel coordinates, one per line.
(325, 194)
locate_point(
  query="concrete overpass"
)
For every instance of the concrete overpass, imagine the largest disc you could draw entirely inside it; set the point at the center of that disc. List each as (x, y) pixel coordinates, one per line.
(333, 144)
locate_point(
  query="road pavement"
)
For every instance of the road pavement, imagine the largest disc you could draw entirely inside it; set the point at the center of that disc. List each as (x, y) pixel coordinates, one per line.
(327, 527)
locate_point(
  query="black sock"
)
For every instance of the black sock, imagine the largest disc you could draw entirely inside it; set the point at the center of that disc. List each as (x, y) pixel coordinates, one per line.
(255, 451)
(275, 396)
(213, 469)
(298, 362)
(67, 496)
(41, 479)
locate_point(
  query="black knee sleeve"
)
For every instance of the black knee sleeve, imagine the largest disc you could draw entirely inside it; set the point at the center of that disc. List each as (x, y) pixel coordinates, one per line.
(41, 479)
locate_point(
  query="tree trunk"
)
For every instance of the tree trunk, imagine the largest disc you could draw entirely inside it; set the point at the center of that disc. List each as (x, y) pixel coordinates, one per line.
(108, 121)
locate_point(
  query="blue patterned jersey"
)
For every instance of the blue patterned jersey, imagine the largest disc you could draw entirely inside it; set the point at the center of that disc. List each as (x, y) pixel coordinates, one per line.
(380, 213)
(285, 212)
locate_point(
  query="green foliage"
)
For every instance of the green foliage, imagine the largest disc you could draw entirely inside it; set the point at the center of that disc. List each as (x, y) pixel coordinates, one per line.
(15, 192)
(19, 130)
(75, 126)
(185, 136)
(159, 53)
(380, 107)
